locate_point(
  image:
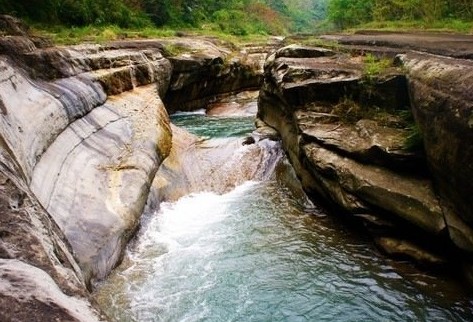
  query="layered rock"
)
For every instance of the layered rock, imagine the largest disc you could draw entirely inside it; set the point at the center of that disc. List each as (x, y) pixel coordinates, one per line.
(345, 132)
(40, 276)
(88, 157)
(85, 130)
(94, 178)
(204, 73)
(444, 44)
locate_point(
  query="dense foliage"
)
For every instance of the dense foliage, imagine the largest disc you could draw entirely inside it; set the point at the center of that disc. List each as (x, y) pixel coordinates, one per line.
(231, 16)
(238, 17)
(347, 13)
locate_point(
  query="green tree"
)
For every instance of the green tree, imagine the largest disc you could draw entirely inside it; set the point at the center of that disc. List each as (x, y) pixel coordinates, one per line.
(347, 13)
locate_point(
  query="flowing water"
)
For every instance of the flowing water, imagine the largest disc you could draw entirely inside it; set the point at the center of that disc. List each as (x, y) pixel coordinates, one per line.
(262, 252)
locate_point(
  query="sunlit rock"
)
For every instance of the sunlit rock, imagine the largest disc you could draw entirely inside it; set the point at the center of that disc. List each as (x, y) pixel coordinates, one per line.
(94, 177)
(37, 264)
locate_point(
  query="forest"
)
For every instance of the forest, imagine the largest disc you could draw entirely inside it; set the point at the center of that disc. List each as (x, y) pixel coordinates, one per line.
(237, 17)
(240, 17)
(349, 13)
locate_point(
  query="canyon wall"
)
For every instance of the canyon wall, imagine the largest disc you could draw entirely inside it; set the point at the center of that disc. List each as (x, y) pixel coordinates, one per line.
(83, 132)
(349, 119)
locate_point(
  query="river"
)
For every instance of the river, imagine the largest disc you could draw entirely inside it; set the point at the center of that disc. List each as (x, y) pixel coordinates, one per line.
(260, 251)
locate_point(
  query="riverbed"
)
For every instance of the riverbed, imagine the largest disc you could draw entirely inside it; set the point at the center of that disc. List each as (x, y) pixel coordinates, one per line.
(259, 250)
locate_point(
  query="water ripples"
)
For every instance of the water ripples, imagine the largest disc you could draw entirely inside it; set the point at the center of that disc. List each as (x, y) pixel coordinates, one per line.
(244, 257)
(262, 252)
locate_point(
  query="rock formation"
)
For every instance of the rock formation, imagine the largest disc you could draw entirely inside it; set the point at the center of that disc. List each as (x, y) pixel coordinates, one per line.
(346, 126)
(83, 132)
(442, 99)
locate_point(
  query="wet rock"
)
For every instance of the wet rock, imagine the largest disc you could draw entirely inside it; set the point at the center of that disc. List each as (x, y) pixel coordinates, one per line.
(372, 220)
(217, 165)
(403, 248)
(248, 140)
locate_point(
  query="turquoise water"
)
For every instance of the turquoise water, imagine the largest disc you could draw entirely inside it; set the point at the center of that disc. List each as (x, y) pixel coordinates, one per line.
(214, 127)
(262, 252)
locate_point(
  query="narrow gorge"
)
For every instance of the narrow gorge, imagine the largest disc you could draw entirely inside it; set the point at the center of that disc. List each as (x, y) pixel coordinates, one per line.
(120, 160)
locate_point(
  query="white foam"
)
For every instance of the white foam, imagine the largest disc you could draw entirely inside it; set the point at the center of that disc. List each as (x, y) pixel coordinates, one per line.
(196, 112)
(182, 223)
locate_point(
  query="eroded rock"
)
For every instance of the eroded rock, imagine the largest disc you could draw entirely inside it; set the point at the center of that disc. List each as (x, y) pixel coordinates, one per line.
(40, 278)
(30, 293)
(442, 94)
(345, 135)
(356, 186)
(217, 165)
(403, 248)
(94, 178)
(89, 157)
(203, 71)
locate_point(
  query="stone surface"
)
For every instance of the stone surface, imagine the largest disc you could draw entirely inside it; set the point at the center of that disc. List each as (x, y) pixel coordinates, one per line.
(442, 96)
(439, 74)
(217, 165)
(12, 26)
(345, 136)
(39, 276)
(34, 113)
(403, 248)
(241, 104)
(445, 44)
(297, 51)
(95, 176)
(31, 294)
(89, 157)
(366, 140)
(203, 71)
(352, 185)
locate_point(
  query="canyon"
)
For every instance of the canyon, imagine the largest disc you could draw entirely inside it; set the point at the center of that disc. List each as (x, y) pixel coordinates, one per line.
(85, 129)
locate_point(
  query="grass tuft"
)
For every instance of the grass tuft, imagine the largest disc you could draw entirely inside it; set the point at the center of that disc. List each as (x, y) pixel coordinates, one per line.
(374, 66)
